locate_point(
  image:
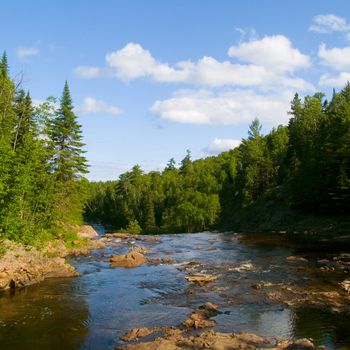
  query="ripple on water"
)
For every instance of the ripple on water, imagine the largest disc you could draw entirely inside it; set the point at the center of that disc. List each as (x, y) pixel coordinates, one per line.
(92, 311)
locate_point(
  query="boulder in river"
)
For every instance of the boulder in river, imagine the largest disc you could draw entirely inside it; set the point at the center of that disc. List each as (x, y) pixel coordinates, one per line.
(200, 317)
(132, 259)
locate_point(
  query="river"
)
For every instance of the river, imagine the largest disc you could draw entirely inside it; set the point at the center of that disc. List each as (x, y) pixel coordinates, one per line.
(92, 311)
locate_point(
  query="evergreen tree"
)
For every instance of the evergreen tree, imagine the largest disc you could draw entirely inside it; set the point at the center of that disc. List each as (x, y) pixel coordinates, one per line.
(66, 134)
(68, 161)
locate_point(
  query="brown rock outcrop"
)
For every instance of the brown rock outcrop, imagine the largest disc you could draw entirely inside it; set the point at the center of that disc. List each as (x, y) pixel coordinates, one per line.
(132, 259)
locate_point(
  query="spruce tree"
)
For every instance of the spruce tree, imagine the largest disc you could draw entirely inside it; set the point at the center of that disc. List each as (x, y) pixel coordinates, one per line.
(68, 162)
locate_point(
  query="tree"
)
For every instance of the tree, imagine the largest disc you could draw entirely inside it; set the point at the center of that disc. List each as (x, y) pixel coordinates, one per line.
(68, 162)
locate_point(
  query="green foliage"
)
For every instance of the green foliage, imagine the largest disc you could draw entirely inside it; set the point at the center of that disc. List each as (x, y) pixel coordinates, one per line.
(305, 164)
(133, 228)
(41, 164)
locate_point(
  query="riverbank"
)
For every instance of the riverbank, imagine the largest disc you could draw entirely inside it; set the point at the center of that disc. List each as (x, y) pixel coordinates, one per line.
(272, 216)
(23, 265)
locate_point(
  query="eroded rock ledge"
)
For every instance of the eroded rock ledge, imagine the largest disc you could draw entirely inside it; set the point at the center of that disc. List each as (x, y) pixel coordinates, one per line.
(22, 266)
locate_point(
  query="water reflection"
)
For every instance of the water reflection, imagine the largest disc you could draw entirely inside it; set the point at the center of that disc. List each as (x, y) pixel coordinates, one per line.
(43, 317)
(94, 310)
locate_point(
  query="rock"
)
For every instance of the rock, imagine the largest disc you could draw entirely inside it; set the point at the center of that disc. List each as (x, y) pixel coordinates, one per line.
(22, 266)
(296, 258)
(301, 344)
(141, 250)
(87, 231)
(133, 259)
(5, 280)
(210, 307)
(138, 333)
(201, 279)
(208, 340)
(346, 285)
(193, 263)
(118, 235)
(200, 317)
(156, 261)
(151, 239)
(195, 321)
(262, 285)
(247, 266)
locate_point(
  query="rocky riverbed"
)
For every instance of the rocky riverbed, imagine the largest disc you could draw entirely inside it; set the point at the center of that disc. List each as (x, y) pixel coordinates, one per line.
(193, 291)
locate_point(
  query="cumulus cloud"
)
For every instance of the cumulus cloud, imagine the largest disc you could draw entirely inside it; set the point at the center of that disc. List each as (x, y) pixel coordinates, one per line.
(336, 58)
(335, 81)
(133, 62)
(24, 52)
(272, 52)
(328, 24)
(92, 105)
(228, 107)
(221, 145)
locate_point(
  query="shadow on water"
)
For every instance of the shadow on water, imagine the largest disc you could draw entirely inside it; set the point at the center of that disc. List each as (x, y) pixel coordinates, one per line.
(45, 316)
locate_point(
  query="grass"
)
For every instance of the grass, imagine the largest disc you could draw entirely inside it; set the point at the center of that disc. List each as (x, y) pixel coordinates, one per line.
(2, 248)
(72, 240)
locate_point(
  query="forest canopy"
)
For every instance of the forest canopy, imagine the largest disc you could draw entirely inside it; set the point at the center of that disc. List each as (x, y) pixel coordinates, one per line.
(304, 165)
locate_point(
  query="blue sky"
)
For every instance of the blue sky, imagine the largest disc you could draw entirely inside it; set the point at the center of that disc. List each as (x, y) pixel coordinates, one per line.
(150, 79)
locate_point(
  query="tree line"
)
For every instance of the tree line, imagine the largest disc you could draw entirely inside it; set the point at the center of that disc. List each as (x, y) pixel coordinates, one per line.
(304, 165)
(41, 164)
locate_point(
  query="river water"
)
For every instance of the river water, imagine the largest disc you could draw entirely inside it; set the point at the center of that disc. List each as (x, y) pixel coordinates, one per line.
(92, 311)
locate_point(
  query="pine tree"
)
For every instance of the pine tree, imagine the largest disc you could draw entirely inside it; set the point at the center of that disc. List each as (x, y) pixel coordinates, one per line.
(69, 162)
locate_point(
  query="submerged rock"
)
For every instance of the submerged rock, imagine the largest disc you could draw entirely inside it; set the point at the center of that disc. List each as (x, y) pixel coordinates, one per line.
(138, 333)
(296, 258)
(141, 250)
(295, 296)
(201, 279)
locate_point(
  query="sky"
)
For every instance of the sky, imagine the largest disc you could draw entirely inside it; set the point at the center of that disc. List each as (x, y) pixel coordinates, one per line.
(151, 79)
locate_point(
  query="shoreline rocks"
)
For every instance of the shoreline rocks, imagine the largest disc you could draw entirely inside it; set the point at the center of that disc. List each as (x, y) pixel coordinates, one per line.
(22, 266)
(87, 231)
(175, 339)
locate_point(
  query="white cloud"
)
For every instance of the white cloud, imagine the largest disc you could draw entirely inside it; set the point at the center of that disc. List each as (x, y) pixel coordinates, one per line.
(329, 23)
(23, 52)
(89, 72)
(92, 105)
(230, 107)
(272, 72)
(335, 81)
(221, 145)
(133, 61)
(336, 58)
(275, 53)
